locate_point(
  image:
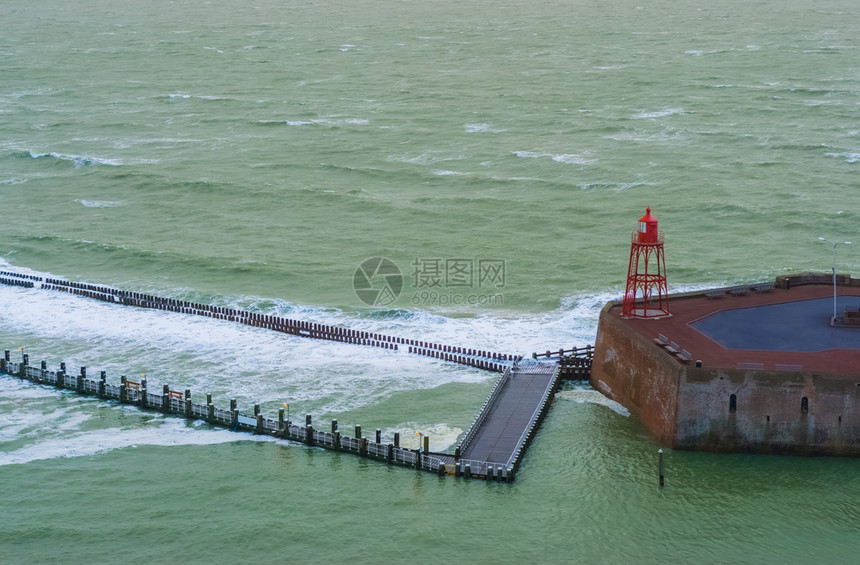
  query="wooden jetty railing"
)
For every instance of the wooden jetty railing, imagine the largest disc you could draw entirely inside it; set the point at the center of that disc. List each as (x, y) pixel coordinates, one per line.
(179, 403)
(574, 364)
(579, 352)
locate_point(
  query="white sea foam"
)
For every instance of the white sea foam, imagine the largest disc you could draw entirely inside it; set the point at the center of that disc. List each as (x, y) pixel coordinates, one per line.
(39, 91)
(426, 158)
(101, 203)
(848, 156)
(78, 160)
(617, 186)
(442, 436)
(481, 128)
(566, 158)
(259, 365)
(658, 114)
(55, 315)
(249, 363)
(166, 432)
(591, 396)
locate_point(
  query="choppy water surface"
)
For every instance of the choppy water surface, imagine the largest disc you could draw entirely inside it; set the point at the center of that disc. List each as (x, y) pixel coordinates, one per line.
(254, 154)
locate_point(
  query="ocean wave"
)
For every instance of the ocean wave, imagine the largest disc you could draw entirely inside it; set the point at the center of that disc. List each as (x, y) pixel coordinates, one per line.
(78, 443)
(658, 114)
(426, 158)
(591, 396)
(40, 91)
(87, 160)
(616, 186)
(78, 160)
(101, 203)
(442, 436)
(320, 121)
(481, 128)
(252, 364)
(848, 156)
(566, 158)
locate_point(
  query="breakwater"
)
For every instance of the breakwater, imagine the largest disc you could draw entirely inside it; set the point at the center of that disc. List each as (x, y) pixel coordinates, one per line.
(472, 357)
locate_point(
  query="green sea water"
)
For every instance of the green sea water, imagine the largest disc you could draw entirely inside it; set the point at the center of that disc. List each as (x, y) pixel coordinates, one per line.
(254, 154)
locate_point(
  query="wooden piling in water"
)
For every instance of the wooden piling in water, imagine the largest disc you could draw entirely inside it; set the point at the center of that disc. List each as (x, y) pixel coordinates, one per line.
(137, 393)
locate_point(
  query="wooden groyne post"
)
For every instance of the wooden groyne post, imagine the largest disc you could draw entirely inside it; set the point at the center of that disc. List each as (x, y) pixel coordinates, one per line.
(179, 403)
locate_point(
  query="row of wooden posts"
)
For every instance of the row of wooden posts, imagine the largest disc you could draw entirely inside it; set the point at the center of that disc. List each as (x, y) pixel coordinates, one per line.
(575, 363)
(179, 403)
(481, 359)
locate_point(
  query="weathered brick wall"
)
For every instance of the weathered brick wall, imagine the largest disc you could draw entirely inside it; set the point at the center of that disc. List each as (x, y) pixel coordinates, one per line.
(629, 369)
(770, 415)
(686, 407)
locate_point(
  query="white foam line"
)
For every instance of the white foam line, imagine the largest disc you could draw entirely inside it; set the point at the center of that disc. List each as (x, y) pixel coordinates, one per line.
(592, 396)
(169, 432)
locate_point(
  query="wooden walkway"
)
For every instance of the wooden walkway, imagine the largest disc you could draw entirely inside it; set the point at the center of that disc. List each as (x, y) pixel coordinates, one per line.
(509, 419)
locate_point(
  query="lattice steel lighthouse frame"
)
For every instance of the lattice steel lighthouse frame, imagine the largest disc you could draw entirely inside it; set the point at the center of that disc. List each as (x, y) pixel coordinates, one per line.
(646, 295)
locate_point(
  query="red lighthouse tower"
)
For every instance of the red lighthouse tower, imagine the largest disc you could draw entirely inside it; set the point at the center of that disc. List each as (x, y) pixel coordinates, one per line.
(646, 295)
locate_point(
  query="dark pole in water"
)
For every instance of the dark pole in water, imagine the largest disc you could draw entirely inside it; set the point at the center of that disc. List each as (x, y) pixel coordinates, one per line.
(660, 464)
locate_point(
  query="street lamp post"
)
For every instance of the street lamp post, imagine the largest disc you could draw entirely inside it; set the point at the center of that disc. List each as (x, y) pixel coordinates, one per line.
(834, 244)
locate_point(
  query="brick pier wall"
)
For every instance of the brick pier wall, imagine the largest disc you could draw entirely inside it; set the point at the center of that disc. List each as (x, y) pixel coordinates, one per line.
(731, 410)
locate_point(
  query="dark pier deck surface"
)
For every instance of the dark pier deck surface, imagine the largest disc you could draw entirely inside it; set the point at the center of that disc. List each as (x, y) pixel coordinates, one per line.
(511, 415)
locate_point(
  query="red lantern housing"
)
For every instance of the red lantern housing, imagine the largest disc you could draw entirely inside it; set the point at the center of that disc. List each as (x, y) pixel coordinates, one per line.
(646, 295)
